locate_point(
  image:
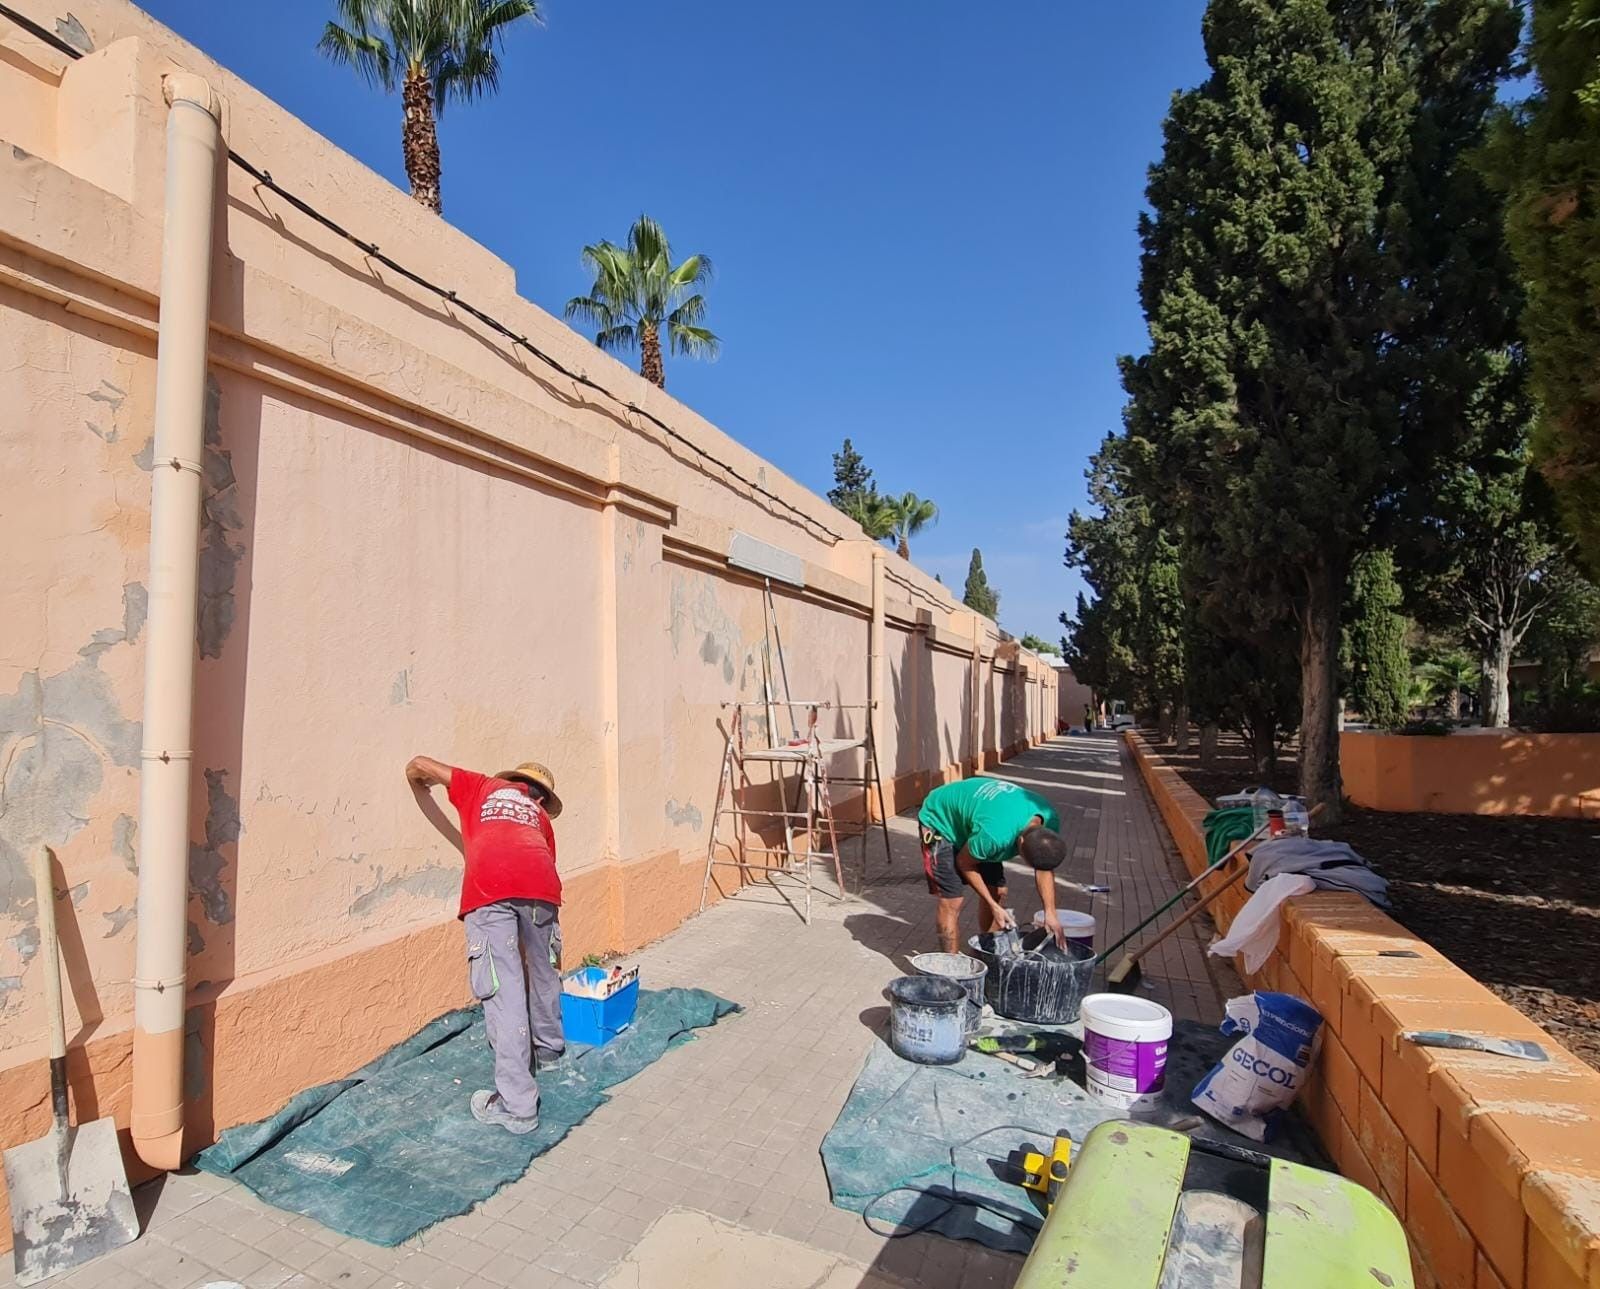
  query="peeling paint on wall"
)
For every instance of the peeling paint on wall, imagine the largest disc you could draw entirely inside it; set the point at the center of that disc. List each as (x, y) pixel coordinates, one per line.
(56, 735)
(219, 558)
(123, 830)
(431, 883)
(135, 607)
(119, 920)
(688, 813)
(113, 397)
(695, 614)
(400, 691)
(25, 944)
(196, 942)
(206, 862)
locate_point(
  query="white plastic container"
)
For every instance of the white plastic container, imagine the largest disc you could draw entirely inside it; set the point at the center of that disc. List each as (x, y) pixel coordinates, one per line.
(1125, 1049)
(1079, 927)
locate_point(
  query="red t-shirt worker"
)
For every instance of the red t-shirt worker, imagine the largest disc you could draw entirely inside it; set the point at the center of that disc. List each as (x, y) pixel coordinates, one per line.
(510, 905)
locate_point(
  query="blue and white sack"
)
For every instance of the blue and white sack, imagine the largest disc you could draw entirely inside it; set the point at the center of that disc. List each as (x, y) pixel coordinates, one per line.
(1251, 1087)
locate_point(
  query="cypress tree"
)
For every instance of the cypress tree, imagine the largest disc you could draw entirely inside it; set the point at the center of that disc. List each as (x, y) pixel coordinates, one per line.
(1297, 283)
(978, 595)
(1377, 668)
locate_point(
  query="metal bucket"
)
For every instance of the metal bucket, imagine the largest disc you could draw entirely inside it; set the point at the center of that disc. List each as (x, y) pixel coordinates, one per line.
(927, 1019)
(967, 972)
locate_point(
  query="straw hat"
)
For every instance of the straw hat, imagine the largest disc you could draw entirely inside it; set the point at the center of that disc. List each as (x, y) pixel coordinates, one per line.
(539, 775)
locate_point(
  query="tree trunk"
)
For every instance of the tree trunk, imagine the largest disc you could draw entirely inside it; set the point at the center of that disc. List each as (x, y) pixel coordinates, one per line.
(1453, 703)
(1264, 752)
(650, 365)
(1320, 782)
(1164, 721)
(904, 550)
(1180, 727)
(1208, 745)
(419, 141)
(1497, 681)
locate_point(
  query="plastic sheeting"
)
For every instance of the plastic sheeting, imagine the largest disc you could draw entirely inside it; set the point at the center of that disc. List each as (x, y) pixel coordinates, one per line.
(889, 1153)
(394, 1148)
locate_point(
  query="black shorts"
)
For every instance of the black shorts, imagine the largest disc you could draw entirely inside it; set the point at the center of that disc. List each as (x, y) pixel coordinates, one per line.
(939, 866)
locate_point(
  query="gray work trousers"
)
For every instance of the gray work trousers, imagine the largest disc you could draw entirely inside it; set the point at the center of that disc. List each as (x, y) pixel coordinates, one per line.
(509, 969)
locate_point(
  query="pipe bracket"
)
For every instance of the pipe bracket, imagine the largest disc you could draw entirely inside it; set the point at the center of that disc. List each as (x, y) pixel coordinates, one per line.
(160, 986)
(163, 755)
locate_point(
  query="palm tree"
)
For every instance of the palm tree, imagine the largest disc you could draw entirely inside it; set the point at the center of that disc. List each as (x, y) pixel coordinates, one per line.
(638, 291)
(875, 514)
(911, 515)
(1450, 673)
(434, 51)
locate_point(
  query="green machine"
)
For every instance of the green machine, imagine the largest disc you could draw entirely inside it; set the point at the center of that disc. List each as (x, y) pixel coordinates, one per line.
(1123, 1218)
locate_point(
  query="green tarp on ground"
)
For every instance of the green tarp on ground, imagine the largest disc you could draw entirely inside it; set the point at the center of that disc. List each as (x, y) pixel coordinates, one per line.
(394, 1148)
(889, 1153)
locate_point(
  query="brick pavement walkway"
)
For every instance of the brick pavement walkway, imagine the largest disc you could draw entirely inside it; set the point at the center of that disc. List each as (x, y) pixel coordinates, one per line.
(729, 1125)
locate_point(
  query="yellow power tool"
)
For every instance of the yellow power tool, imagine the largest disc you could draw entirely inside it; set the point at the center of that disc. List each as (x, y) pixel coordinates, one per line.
(1046, 1173)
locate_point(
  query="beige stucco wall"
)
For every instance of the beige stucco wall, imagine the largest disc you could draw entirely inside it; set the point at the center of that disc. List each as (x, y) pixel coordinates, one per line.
(416, 538)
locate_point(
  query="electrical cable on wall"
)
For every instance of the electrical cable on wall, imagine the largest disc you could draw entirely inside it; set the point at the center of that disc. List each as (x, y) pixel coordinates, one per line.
(371, 250)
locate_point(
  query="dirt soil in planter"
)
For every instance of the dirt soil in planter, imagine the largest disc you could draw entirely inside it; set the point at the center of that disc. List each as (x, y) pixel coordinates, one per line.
(1514, 901)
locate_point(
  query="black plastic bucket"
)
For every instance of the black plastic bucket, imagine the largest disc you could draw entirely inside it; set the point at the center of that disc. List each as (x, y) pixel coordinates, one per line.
(1042, 985)
(927, 1019)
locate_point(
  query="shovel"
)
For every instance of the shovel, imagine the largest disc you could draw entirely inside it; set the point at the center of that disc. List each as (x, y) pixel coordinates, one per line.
(69, 1194)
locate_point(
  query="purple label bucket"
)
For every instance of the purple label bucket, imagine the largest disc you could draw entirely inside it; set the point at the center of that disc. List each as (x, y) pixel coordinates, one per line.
(1125, 1049)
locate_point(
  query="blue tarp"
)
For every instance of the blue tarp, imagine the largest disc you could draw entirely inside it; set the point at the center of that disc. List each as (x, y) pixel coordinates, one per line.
(394, 1148)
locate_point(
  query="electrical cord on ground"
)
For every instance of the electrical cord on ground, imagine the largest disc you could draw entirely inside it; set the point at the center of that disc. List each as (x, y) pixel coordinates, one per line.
(370, 249)
(1016, 1216)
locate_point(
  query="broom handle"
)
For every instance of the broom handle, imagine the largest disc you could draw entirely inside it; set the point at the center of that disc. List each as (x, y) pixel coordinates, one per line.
(1188, 913)
(1239, 850)
(1184, 890)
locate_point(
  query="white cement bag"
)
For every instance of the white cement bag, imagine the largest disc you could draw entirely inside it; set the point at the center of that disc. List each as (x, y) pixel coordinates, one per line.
(1251, 1087)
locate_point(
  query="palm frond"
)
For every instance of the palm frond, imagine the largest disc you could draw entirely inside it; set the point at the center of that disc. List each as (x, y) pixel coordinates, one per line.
(690, 313)
(694, 342)
(365, 51)
(694, 271)
(618, 339)
(473, 73)
(593, 309)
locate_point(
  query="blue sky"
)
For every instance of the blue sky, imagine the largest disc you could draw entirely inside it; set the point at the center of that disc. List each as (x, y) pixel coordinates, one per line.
(922, 218)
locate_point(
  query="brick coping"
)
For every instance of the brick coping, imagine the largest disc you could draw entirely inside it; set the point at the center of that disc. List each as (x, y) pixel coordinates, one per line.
(1492, 1164)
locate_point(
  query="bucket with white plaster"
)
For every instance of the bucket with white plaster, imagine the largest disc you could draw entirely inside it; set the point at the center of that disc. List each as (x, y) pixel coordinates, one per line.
(1125, 1049)
(927, 1019)
(966, 972)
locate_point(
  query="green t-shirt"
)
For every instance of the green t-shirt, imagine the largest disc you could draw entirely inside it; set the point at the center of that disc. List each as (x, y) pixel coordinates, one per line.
(985, 815)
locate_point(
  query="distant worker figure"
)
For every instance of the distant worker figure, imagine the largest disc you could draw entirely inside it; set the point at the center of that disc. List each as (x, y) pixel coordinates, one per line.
(510, 904)
(969, 830)
(1088, 719)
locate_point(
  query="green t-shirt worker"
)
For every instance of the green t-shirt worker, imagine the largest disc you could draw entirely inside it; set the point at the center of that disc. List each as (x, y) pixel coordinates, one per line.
(969, 830)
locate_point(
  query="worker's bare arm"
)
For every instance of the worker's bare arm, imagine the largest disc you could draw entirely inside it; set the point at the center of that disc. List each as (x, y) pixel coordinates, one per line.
(425, 772)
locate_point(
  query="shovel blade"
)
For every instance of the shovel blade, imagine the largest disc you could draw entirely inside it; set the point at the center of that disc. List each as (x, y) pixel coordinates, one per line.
(52, 1233)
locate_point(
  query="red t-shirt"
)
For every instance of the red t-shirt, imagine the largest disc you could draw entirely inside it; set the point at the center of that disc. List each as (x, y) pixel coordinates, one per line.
(510, 846)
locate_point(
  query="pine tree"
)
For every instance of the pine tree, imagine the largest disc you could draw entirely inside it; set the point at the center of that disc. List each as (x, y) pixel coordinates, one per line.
(978, 595)
(1376, 666)
(851, 476)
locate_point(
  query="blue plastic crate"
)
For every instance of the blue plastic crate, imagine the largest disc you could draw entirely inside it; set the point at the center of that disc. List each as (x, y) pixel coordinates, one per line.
(596, 1021)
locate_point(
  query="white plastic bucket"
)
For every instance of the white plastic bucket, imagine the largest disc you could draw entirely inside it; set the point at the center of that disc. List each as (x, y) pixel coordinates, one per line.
(1078, 926)
(1125, 1049)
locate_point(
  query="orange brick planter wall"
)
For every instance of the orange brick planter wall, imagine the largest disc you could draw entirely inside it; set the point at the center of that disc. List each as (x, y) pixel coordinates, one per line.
(1474, 774)
(1492, 1164)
